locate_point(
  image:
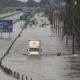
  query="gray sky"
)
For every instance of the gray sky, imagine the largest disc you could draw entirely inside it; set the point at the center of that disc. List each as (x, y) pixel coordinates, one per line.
(27, 0)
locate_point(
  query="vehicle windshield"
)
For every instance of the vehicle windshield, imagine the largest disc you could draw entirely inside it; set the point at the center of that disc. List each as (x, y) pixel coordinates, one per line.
(34, 49)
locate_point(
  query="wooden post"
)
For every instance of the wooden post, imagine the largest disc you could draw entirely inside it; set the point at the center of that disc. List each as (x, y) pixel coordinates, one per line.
(31, 78)
(73, 51)
(1, 35)
(18, 76)
(11, 72)
(26, 78)
(58, 26)
(9, 35)
(62, 34)
(14, 74)
(67, 30)
(0, 63)
(22, 77)
(67, 39)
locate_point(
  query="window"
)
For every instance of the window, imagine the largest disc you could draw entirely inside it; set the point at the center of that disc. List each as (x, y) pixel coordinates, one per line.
(34, 49)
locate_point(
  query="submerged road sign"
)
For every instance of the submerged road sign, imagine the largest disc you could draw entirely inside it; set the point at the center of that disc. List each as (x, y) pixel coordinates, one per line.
(6, 26)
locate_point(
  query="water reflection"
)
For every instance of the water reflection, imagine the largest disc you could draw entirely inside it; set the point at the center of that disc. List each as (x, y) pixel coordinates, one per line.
(34, 57)
(74, 68)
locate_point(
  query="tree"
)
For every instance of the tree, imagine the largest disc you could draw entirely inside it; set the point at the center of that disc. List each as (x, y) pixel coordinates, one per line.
(72, 19)
(69, 17)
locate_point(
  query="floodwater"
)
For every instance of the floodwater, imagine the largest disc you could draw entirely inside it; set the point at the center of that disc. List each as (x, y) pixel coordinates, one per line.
(48, 66)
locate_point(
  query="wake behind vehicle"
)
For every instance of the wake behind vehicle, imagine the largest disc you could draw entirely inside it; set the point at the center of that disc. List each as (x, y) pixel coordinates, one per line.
(34, 47)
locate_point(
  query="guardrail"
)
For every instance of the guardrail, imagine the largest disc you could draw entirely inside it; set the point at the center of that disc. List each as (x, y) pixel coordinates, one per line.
(15, 75)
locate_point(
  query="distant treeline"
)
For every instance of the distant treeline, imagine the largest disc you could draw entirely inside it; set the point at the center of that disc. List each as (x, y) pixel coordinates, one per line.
(15, 3)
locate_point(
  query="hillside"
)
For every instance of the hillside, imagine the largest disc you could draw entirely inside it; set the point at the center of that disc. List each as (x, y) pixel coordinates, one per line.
(11, 3)
(32, 3)
(15, 3)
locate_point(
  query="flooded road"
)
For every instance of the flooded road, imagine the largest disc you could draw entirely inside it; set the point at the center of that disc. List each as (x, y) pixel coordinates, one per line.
(48, 66)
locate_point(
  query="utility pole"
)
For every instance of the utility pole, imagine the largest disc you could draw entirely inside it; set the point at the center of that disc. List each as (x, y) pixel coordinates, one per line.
(73, 39)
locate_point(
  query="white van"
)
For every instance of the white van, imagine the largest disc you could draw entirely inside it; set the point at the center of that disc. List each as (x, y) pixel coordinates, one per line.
(34, 47)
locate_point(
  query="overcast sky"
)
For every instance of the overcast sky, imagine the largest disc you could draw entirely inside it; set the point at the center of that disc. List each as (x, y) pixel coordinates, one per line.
(27, 0)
